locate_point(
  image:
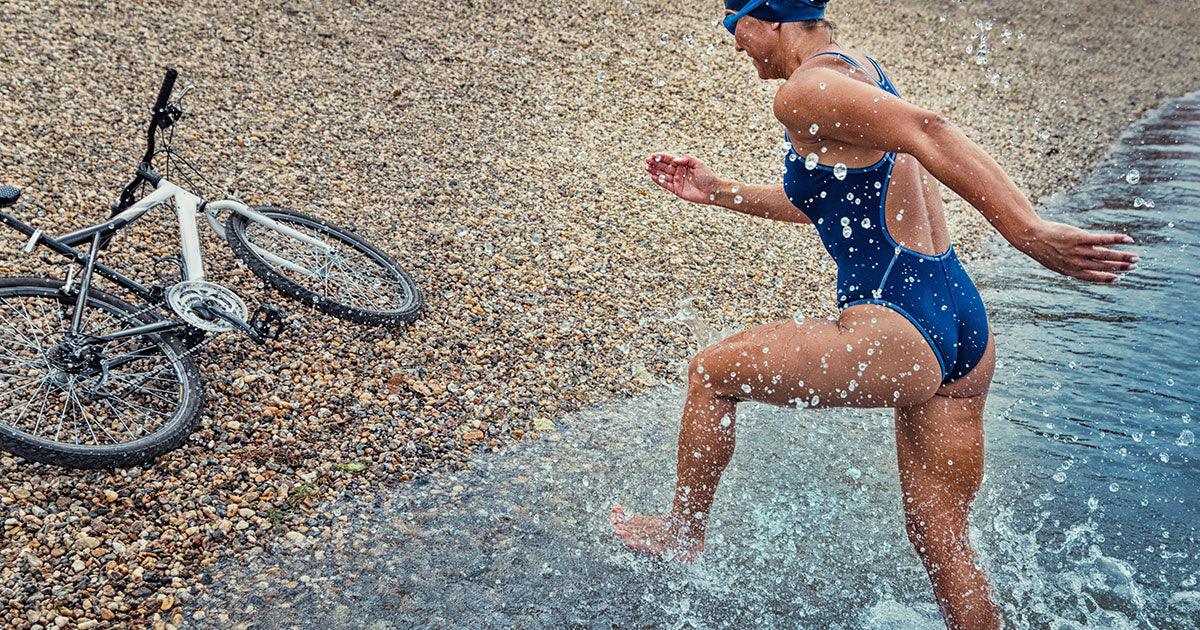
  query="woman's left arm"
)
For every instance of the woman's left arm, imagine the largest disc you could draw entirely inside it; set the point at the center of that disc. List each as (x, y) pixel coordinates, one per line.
(866, 116)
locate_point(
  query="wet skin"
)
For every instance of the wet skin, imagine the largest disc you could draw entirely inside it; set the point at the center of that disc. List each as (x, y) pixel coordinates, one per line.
(939, 428)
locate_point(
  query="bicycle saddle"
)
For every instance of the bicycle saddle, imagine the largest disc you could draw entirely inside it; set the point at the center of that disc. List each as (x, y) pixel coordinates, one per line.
(9, 195)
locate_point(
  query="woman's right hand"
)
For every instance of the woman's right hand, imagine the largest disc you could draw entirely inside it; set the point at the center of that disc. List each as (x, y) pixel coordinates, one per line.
(687, 177)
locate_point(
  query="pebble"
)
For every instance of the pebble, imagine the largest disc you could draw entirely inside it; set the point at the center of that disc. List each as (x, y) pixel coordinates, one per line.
(465, 91)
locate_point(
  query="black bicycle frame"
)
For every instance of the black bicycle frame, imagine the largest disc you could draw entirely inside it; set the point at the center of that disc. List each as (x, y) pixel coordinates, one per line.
(93, 234)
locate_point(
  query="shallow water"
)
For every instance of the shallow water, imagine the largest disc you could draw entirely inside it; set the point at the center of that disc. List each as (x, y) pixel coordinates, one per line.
(1086, 516)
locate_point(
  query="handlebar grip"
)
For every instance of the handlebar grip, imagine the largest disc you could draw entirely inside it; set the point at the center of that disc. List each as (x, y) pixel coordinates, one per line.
(164, 93)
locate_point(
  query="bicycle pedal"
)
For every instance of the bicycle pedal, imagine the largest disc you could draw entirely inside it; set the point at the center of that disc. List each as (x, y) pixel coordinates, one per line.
(268, 321)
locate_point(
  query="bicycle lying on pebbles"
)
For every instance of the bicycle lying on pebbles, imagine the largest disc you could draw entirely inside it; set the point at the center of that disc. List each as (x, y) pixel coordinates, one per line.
(100, 382)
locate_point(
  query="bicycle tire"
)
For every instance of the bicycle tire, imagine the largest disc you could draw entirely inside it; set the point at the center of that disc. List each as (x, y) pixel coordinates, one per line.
(235, 234)
(170, 436)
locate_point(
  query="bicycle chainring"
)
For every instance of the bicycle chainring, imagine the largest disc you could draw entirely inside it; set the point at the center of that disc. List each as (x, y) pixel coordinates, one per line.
(186, 296)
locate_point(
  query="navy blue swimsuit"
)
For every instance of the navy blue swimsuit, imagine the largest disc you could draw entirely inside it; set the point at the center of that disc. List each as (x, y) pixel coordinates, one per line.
(933, 292)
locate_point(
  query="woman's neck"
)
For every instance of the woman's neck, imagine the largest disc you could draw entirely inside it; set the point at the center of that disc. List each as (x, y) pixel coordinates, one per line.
(799, 44)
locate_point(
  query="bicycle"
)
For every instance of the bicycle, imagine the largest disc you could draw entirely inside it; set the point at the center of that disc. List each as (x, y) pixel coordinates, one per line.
(100, 382)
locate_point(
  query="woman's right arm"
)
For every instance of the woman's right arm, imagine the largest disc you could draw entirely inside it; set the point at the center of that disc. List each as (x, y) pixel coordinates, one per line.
(691, 180)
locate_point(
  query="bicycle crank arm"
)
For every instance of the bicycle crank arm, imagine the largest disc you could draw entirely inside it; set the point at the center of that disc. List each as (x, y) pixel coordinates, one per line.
(267, 322)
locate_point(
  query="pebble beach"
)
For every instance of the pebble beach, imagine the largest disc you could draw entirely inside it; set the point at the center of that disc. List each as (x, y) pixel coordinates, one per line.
(496, 151)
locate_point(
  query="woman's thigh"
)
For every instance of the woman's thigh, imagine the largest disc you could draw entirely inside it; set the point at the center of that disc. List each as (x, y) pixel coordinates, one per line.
(870, 357)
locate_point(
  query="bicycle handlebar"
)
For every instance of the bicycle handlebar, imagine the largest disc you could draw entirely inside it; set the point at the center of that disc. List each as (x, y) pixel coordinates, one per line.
(161, 116)
(164, 92)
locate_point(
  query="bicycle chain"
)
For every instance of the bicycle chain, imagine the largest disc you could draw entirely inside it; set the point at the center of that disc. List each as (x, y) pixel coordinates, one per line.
(186, 354)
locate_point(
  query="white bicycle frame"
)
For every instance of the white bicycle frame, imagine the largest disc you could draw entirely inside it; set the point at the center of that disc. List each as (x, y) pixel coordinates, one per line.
(186, 207)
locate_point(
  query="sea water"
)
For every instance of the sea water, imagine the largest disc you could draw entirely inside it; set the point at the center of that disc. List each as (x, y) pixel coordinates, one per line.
(1086, 517)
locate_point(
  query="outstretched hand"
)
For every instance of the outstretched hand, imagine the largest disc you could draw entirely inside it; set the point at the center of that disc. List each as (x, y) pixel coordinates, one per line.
(687, 177)
(1078, 253)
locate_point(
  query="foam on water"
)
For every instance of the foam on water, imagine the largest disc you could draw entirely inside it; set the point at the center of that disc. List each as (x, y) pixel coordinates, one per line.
(1094, 389)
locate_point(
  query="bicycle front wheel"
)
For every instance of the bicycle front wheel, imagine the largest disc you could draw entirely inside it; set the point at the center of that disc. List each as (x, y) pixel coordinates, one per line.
(69, 402)
(350, 278)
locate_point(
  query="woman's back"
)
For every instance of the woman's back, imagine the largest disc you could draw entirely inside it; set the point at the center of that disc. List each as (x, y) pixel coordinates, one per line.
(915, 215)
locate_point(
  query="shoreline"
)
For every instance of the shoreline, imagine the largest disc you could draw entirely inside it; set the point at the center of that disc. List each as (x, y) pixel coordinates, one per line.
(497, 156)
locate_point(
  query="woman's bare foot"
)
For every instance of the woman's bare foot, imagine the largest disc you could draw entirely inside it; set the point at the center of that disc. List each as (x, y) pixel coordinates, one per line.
(655, 535)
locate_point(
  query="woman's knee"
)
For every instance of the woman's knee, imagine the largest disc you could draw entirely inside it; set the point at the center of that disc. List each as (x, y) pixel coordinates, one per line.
(713, 370)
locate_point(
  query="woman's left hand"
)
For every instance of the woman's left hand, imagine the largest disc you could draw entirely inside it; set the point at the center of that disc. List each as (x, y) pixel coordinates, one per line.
(1079, 253)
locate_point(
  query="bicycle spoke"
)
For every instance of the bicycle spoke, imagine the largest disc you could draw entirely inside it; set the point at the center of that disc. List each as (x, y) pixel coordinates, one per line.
(120, 415)
(29, 403)
(82, 415)
(61, 416)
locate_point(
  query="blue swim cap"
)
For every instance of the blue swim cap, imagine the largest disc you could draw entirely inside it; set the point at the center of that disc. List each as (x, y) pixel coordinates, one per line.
(774, 11)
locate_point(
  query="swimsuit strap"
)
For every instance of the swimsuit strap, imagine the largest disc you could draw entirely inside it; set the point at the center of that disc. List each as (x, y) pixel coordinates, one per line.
(890, 87)
(856, 65)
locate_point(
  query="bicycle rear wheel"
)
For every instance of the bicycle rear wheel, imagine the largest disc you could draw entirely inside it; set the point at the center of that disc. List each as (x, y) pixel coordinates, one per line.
(354, 280)
(107, 405)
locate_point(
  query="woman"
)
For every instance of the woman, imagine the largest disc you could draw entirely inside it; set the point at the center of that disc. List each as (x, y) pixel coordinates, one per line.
(912, 333)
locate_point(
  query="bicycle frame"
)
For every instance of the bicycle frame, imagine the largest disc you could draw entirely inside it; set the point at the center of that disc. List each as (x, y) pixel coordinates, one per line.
(187, 207)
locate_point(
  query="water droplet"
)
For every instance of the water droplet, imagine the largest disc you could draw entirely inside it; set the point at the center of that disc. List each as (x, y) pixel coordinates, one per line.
(853, 473)
(1137, 436)
(812, 129)
(664, 38)
(822, 84)
(810, 162)
(846, 232)
(845, 220)
(1163, 457)
(839, 170)
(662, 178)
(1113, 487)
(766, 350)
(600, 77)
(878, 185)
(1060, 476)
(1186, 438)
(737, 199)
(725, 421)
(798, 317)
(916, 367)
(1133, 176)
(866, 222)
(746, 388)
(815, 400)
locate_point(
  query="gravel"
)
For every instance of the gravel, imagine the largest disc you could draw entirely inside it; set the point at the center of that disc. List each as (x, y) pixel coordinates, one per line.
(496, 151)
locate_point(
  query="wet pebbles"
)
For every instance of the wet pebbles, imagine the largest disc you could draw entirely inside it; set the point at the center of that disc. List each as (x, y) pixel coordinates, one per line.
(496, 151)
